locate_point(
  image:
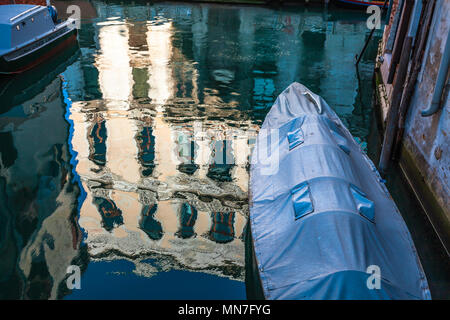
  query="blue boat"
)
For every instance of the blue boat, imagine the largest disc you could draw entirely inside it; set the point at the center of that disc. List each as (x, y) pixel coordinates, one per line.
(322, 223)
(30, 35)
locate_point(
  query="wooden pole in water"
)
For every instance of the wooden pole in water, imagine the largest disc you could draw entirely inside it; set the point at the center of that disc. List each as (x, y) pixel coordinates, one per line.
(400, 72)
(399, 39)
(392, 115)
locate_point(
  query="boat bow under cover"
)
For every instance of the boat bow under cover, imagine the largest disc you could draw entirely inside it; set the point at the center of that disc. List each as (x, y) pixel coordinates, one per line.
(320, 213)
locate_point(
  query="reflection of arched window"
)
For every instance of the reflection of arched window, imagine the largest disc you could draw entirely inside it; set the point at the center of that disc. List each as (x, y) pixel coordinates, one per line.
(97, 140)
(222, 228)
(146, 146)
(149, 224)
(222, 161)
(188, 216)
(186, 152)
(111, 214)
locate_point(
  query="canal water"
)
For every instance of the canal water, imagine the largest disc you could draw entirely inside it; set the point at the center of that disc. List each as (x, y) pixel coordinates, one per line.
(128, 158)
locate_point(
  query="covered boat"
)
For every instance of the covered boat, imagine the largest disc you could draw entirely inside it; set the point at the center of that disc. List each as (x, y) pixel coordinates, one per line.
(31, 34)
(322, 223)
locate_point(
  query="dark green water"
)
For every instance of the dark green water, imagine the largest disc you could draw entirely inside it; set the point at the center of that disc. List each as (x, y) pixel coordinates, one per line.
(129, 157)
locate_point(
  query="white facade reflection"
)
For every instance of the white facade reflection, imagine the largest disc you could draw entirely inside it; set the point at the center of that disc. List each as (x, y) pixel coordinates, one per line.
(136, 197)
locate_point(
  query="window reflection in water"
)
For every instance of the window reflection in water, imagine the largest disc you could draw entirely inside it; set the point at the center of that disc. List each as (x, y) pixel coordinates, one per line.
(97, 140)
(188, 217)
(146, 144)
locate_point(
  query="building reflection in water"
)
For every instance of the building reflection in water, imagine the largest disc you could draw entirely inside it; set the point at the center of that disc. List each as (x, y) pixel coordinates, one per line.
(157, 190)
(176, 135)
(166, 104)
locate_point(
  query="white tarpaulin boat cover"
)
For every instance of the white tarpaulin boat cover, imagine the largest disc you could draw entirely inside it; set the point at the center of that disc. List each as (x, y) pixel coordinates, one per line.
(322, 221)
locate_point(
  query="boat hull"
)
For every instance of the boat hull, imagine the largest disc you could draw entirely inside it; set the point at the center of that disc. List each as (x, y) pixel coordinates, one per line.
(38, 56)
